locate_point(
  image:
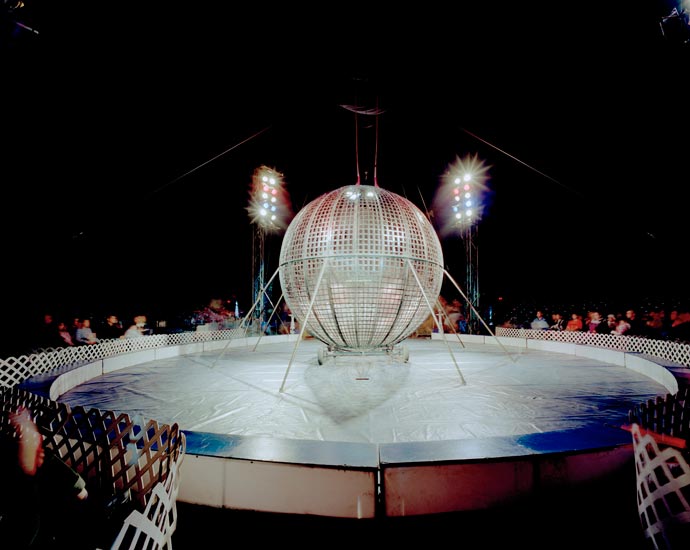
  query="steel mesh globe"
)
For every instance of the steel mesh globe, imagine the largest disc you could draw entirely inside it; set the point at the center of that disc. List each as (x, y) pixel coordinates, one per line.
(369, 263)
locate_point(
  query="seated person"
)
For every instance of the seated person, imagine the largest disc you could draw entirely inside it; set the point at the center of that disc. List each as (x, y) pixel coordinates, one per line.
(85, 336)
(539, 322)
(111, 329)
(139, 328)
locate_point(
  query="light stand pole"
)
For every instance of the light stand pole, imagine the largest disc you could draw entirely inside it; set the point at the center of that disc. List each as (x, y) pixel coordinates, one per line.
(459, 199)
(258, 275)
(269, 208)
(472, 276)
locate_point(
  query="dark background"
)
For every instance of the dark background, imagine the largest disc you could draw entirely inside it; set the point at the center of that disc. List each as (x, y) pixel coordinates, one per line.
(131, 134)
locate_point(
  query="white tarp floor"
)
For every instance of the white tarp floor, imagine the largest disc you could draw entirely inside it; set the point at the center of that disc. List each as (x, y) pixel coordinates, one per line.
(490, 391)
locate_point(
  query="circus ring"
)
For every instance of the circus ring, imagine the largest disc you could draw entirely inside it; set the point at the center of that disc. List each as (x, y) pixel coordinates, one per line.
(459, 462)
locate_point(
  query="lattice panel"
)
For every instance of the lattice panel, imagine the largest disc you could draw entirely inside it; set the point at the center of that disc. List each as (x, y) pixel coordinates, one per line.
(663, 491)
(14, 370)
(111, 451)
(669, 415)
(675, 352)
(76, 437)
(140, 456)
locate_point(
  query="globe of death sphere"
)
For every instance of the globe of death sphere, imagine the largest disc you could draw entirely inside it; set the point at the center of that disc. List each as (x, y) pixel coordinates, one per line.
(360, 267)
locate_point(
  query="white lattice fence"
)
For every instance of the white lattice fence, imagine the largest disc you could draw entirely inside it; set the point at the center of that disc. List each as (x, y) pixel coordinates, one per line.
(15, 370)
(675, 352)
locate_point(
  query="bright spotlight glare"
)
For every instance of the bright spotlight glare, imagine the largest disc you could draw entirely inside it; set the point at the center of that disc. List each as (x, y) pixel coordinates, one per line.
(267, 192)
(462, 189)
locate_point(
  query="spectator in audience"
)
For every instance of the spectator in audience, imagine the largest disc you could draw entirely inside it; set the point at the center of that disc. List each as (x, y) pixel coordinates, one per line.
(622, 326)
(539, 322)
(594, 321)
(284, 315)
(76, 325)
(463, 325)
(111, 329)
(603, 327)
(85, 335)
(669, 321)
(453, 313)
(680, 331)
(558, 322)
(47, 335)
(575, 323)
(214, 314)
(637, 327)
(65, 334)
(654, 323)
(138, 329)
(611, 322)
(586, 320)
(510, 323)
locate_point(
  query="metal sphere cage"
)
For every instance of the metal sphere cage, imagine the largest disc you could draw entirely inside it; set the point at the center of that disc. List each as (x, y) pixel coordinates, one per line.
(361, 268)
